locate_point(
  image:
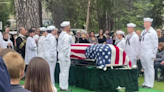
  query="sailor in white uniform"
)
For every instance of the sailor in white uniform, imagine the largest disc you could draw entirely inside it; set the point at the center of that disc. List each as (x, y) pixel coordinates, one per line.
(132, 44)
(121, 41)
(31, 47)
(64, 49)
(50, 51)
(149, 46)
(41, 42)
(1, 40)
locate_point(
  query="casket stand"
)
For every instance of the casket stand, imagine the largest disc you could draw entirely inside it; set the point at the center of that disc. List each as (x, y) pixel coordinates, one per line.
(95, 79)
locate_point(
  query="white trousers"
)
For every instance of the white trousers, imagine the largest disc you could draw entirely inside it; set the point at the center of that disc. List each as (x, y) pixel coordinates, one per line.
(52, 65)
(64, 71)
(148, 65)
(133, 59)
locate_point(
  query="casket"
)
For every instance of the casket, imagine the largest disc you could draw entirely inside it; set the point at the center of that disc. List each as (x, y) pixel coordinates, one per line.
(103, 55)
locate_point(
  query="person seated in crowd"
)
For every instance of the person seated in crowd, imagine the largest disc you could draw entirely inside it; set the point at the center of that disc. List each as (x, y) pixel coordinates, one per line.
(121, 41)
(83, 38)
(5, 51)
(31, 47)
(92, 38)
(159, 33)
(87, 36)
(109, 40)
(106, 33)
(138, 32)
(6, 41)
(101, 38)
(15, 65)
(38, 76)
(77, 36)
(159, 59)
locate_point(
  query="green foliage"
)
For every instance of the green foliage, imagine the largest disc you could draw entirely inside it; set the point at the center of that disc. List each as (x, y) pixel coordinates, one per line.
(4, 12)
(117, 13)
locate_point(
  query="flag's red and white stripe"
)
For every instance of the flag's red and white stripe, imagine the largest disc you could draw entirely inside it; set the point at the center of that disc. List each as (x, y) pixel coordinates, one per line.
(118, 55)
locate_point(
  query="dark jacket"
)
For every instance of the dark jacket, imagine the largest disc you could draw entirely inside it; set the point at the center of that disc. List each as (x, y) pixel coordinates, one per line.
(21, 43)
(83, 40)
(101, 40)
(4, 78)
(160, 56)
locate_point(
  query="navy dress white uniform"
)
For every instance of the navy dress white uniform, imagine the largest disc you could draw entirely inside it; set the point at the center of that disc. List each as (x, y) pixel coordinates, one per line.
(50, 51)
(132, 45)
(31, 49)
(41, 43)
(64, 49)
(1, 41)
(120, 42)
(149, 46)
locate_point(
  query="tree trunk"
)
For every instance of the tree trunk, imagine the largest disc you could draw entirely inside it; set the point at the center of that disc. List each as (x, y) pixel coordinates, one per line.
(40, 13)
(27, 13)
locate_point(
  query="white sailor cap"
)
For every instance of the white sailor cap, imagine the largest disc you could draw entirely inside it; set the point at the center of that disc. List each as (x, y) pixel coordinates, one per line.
(131, 25)
(51, 28)
(65, 23)
(148, 19)
(78, 31)
(43, 29)
(120, 32)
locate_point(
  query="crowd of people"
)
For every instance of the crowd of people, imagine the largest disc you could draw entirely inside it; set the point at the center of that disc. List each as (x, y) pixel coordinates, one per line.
(33, 54)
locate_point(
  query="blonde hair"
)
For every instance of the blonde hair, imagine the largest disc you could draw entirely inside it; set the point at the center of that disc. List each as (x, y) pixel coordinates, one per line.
(162, 45)
(159, 35)
(15, 64)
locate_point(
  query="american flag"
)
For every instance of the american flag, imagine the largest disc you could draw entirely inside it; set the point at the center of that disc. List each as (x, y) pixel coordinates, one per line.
(104, 54)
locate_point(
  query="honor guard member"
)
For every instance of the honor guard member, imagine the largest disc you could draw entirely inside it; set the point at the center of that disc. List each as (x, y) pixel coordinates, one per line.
(1, 40)
(21, 41)
(50, 51)
(132, 44)
(31, 47)
(64, 49)
(41, 42)
(149, 47)
(121, 41)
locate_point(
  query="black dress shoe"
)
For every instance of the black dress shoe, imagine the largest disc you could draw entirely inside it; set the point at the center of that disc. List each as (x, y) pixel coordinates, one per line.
(147, 87)
(65, 89)
(142, 86)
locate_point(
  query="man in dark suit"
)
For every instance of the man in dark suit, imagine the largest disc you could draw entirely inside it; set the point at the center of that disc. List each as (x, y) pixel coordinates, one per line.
(21, 41)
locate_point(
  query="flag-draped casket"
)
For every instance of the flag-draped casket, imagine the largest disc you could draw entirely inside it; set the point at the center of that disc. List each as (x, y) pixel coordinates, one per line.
(103, 54)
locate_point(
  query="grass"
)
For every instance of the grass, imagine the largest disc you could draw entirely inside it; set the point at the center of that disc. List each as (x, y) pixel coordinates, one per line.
(157, 85)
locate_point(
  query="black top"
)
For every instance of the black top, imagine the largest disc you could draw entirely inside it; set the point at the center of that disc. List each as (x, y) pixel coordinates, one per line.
(161, 39)
(18, 88)
(77, 39)
(21, 43)
(83, 40)
(101, 40)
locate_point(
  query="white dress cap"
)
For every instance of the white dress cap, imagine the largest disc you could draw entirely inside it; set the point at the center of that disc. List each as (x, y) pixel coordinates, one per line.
(120, 32)
(51, 28)
(43, 29)
(148, 19)
(65, 24)
(131, 25)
